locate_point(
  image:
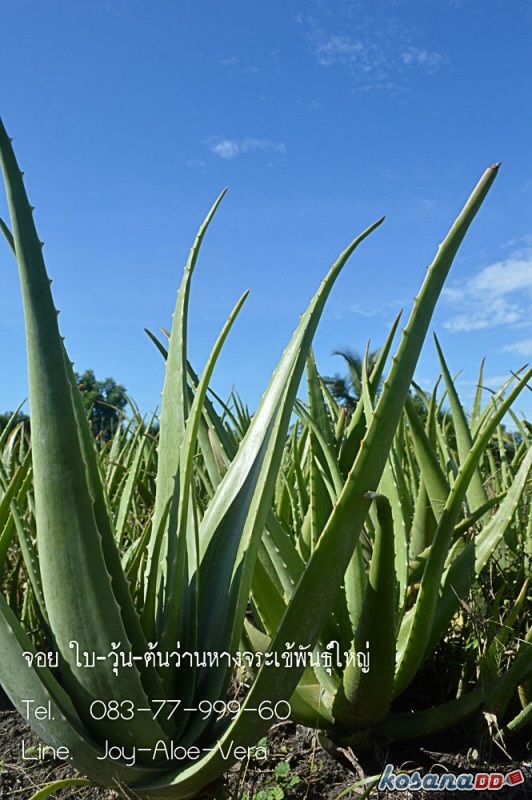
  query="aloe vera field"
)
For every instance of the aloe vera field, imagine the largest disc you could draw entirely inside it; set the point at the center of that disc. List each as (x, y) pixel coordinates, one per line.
(306, 601)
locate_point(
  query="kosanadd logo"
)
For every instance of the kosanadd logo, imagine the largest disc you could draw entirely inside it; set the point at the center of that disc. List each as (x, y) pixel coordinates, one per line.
(462, 782)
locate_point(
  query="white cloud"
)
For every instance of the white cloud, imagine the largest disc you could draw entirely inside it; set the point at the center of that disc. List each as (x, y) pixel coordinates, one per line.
(333, 49)
(522, 347)
(499, 294)
(421, 57)
(195, 162)
(378, 53)
(231, 148)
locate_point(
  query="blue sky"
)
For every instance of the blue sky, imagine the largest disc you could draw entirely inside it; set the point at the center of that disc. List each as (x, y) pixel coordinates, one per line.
(130, 116)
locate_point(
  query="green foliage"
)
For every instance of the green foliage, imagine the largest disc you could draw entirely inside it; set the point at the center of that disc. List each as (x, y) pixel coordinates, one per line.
(276, 785)
(444, 507)
(11, 418)
(104, 402)
(149, 546)
(181, 588)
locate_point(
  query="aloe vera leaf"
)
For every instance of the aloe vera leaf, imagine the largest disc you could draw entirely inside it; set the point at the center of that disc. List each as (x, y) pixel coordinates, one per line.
(160, 347)
(80, 594)
(273, 415)
(423, 527)
(127, 493)
(284, 565)
(85, 437)
(317, 681)
(55, 786)
(174, 412)
(469, 522)
(268, 599)
(300, 482)
(390, 489)
(405, 474)
(399, 727)
(181, 581)
(11, 424)
(365, 695)
(432, 475)
(357, 426)
(280, 558)
(418, 564)
(28, 549)
(289, 479)
(335, 412)
(278, 569)
(413, 639)
(322, 449)
(327, 564)
(520, 721)
(496, 398)
(317, 408)
(216, 446)
(477, 402)
(476, 494)
(232, 526)
(10, 492)
(64, 727)
(311, 705)
(320, 506)
(355, 581)
(88, 454)
(348, 515)
(154, 540)
(475, 555)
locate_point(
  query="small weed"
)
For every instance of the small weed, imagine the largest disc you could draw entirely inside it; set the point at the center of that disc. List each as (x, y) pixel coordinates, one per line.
(276, 784)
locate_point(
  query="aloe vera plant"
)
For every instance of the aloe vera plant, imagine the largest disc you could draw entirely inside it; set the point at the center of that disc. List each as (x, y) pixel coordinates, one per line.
(196, 579)
(430, 534)
(144, 721)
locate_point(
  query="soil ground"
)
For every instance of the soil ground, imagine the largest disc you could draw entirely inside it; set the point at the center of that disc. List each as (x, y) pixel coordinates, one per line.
(297, 768)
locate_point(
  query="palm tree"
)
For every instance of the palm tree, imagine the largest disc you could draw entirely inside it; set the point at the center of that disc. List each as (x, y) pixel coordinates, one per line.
(347, 389)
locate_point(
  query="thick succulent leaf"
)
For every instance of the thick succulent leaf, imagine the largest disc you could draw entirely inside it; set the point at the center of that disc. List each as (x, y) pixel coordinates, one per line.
(465, 560)
(330, 558)
(365, 695)
(31, 687)
(399, 727)
(423, 527)
(357, 426)
(174, 412)
(413, 641)
(124, 501)
(10, 493)
(229, 539)
(231, 529)
(80, 594)
(476, 493)
(304, 618)
(477, 402)
(311, 703)
(389, 487)
(181, 612)
(278, 569)
(432, 475)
